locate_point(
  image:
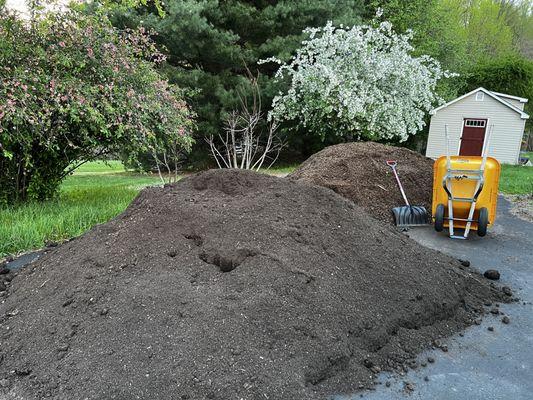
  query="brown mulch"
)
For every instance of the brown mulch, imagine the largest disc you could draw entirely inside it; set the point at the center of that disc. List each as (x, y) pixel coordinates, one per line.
(358, 172)
(229, 285)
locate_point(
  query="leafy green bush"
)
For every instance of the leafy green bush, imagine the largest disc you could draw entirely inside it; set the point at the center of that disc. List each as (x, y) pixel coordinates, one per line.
(512, 74)
(73, 88)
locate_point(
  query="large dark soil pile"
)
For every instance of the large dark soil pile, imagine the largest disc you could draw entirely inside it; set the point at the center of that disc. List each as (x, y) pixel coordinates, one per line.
(358, 172)
(228, 285)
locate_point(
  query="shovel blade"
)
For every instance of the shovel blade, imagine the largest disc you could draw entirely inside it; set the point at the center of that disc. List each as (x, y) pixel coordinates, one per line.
(410, 216)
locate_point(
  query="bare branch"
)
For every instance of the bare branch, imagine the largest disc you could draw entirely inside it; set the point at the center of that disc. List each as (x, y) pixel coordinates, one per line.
(243, 145)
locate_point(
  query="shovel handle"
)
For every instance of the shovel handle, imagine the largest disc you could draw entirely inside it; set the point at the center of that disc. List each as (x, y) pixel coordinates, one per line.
(392, 164)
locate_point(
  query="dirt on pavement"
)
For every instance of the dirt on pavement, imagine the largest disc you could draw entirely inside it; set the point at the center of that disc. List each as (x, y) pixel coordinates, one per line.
(229, 285)
(521, 205)
(358, 172)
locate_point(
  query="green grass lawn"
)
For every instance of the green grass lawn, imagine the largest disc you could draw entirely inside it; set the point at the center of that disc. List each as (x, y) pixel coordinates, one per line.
(95, 193)
(99, 191)
(516, 179)
(280, 171)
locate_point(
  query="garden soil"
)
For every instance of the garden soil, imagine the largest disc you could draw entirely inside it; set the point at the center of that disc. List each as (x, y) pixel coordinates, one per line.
(229, 285)
(358, 172)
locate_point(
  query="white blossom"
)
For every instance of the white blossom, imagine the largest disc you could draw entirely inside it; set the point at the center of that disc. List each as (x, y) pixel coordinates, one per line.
(361, 82)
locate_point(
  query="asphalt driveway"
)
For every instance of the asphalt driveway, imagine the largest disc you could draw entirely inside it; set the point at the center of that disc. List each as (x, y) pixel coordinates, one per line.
(482, 364)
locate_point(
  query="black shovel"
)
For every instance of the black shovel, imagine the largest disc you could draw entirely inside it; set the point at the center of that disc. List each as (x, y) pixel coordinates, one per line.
(407, 215)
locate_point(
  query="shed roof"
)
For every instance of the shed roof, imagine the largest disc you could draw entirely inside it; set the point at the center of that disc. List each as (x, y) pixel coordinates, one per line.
(508, 96)
(496, 96)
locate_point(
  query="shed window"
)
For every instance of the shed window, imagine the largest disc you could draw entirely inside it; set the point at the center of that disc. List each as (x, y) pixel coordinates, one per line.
(480, 96)
(475, 123)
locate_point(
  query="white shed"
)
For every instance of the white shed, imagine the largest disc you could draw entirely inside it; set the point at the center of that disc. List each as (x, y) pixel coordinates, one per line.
(469, 119)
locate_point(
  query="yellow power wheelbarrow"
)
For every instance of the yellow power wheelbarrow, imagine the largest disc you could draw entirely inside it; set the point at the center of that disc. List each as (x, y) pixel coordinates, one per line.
(465, 191)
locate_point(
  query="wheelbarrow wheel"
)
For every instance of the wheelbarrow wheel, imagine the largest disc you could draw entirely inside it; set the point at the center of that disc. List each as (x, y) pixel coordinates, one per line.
(439, 218)
(482, 221)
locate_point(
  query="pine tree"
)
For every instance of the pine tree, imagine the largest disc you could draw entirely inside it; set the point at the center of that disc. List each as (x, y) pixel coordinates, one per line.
(212, 43)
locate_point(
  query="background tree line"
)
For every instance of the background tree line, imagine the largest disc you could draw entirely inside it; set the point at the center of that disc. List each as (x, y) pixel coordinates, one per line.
(150, 80)
(211, 44)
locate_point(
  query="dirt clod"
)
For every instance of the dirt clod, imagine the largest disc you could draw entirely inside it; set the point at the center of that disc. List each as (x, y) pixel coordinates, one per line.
(506, 320)
(358, 172)
(490, 328)
(408, 387)
(507, 290)
(465, 263)
(492, 274)
(278, 296)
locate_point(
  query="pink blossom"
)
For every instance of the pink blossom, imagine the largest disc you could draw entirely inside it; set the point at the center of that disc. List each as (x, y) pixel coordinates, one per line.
(62, 44)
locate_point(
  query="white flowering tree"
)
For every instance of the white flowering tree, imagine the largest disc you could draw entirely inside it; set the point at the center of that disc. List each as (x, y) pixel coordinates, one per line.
(358, 83)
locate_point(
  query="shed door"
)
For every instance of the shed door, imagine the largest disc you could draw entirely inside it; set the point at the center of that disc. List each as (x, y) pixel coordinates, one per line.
(473, 137)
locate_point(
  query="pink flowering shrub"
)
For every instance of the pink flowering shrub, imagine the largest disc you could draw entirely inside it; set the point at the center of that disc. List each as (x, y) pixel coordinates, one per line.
(73, 88)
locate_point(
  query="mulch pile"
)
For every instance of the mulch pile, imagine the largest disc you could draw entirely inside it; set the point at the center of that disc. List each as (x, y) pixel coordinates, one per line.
(358, 172)
(229, 285)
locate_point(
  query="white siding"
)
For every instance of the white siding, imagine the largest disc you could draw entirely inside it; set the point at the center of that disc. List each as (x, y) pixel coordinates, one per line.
(506, 136)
